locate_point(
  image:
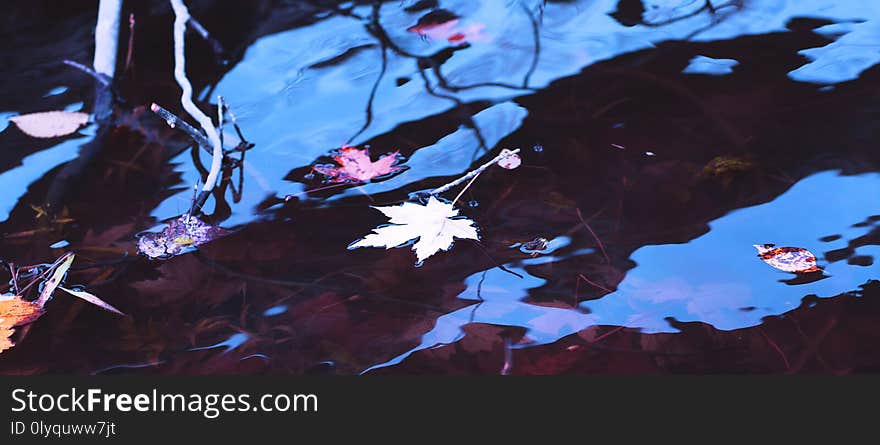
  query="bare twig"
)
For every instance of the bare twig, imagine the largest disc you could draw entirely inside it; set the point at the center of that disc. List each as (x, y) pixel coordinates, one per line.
(582, 277)
(130, 53)
(201, 141)
(235, 125)
(181, 16)
(220, 118)
(106, 37)
(813, 346)
(215, 45)
(174, 121)
(474, 172)
(244, 144)
(595, 237)
(14, 273)
(457, 197)
(775, 348)
(103, 79)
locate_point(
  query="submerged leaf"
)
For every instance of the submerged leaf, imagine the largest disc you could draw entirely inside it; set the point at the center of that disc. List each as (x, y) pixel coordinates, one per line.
(355, 166)
(92, 299)
(179, 236)
(50, 124)
(436, 225)
(788, 259)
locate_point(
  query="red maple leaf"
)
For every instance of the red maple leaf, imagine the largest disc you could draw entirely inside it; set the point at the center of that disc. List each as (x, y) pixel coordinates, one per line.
(355, 165)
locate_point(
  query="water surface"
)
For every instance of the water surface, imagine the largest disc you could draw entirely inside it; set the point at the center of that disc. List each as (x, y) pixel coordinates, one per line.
(660, 141)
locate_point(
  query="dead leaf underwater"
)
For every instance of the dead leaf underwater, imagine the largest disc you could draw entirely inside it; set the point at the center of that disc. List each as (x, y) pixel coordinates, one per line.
(50, 124)
(180, 236)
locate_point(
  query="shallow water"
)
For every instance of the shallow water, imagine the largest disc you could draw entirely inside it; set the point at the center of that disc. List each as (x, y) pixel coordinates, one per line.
(658, 146)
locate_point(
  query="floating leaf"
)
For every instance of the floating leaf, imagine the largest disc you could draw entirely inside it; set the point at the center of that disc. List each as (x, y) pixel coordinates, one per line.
(92, 299)
(180, 236)
(435, 28)
(14, 311)
(436, 225)
(510, 161)
(449, 30)
(788, 259)
(50, 124)
(355, 166)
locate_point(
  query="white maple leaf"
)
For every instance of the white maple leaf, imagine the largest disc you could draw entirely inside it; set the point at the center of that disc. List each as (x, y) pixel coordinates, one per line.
(436, 225)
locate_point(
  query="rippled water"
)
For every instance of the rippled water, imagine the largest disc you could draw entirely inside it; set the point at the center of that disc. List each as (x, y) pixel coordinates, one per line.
(660, 141)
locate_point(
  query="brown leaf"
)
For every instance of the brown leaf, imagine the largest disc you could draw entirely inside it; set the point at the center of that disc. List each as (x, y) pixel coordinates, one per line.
(50, 124)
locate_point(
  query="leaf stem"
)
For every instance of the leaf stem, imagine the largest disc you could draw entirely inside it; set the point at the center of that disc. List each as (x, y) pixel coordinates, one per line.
(465, 188)
(473, 173)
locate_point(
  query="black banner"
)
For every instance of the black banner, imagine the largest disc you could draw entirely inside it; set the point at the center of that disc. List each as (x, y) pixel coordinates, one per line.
(235, 409)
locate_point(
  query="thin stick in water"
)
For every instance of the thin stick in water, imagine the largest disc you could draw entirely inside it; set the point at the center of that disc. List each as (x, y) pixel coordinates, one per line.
(130, 53)
(174, 121)
(475, 172)
(465, 188)
(595, 237)
(220, 107)
(215, 45)
(101, 78)
(107, 36)
(235, 124)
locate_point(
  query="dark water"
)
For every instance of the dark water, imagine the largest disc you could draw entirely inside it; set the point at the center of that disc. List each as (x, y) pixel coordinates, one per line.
(660, 140)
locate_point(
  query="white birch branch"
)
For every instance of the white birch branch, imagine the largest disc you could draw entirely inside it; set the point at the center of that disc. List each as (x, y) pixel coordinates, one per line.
(181, 16)
(107, 37)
